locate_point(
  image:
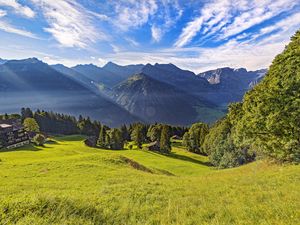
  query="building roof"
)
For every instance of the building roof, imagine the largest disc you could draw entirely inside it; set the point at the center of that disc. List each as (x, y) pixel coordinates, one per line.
(4, 125)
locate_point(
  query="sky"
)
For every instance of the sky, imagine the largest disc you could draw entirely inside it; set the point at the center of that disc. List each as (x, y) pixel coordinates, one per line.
(193, 34)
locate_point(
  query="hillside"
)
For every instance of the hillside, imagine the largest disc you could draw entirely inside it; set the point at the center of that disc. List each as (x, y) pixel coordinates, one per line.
(66, 182)
(35, 84)
(156, 101)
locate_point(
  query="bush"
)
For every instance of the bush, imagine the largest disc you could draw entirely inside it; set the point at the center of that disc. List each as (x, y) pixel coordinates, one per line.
(39, 140)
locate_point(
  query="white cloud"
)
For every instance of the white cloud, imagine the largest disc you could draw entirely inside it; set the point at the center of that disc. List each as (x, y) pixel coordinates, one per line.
(132, 42)
(226, 18)
(212, 13)
(70, 23)
(166, 17)
(133, 13)
(7, 27)
(18, 8)
(156, 33)
(2, 13)
(115, 48)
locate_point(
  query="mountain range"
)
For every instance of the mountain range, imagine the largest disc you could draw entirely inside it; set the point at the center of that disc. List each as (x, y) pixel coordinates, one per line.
(117, 94)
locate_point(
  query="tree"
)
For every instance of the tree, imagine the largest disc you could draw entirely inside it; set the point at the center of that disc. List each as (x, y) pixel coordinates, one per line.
(270, 112)
(102, 138)
(116, 139)
(26, 113)
(154, 132)
(31, 125)
(186, 140)
(125, 133)
(165, 143)
(194, 138)
(39, 139)
(137, 135)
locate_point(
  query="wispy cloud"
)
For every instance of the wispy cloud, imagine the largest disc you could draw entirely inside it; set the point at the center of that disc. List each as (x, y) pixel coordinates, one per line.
(18, 8)
(70, 23)
(211, 14)
(226, 18)
(132, 42)
(168, 15)
(7, 27)
(156, 33)
(133, 13)
(2, 13)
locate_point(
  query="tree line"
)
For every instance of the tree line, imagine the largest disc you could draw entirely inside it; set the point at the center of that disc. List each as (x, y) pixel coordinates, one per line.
(99, 134)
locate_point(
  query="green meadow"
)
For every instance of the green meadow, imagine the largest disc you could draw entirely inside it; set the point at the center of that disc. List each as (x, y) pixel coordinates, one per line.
(66, 182)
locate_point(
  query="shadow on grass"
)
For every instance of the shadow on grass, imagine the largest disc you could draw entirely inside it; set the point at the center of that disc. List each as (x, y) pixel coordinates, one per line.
(188, 159)
(29, 147)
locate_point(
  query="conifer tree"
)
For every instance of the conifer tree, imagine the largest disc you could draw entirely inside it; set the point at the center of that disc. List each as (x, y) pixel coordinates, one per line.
(102, 138)
(165, 144)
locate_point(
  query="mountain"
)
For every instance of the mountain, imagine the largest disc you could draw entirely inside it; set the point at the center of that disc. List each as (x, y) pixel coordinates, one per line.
(97, 74)
(35, 84)
(182, 79)
(74, 75)
(2, 61)
(233, 78)
(123, 71)
(230, 84)
(156, 101)
(109, 75)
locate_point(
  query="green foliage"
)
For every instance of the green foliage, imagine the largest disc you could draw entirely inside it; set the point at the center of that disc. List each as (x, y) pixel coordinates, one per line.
(102, 137)
(267, 121)
(154, 132)
(137, 135)
(165, 143)
(31, 125)
(270, 113)
(39, 139)
(193, 139)
(116, 139)
(220, 147)
(26, 113)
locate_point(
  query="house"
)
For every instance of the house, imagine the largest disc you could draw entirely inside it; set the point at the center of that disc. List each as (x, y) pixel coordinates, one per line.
(153, 146)
(12, 134)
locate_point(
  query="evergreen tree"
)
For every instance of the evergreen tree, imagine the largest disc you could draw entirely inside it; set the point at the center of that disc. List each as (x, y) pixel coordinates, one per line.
(165, 144)
(26, 113)
(137, 134)
(116, 139)
(154, 132)
(102, 138)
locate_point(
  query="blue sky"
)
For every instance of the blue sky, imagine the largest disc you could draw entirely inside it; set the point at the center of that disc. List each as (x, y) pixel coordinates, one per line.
(193, 34)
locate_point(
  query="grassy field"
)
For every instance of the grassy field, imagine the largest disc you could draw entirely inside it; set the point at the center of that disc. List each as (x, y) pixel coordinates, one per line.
(66, 182)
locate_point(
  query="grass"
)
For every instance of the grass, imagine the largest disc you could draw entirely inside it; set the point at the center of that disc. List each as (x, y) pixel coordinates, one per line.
(66, 182)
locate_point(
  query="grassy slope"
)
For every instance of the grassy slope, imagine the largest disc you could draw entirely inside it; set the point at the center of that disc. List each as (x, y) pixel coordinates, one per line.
(68, 183)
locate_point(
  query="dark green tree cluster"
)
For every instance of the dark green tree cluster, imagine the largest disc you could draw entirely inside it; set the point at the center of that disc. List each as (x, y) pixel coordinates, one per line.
(57, 123)
(138, 134)
(9, 116)
(194, 138)
(267, 121)
(110, 138)
(165, 143)
(161, 134)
